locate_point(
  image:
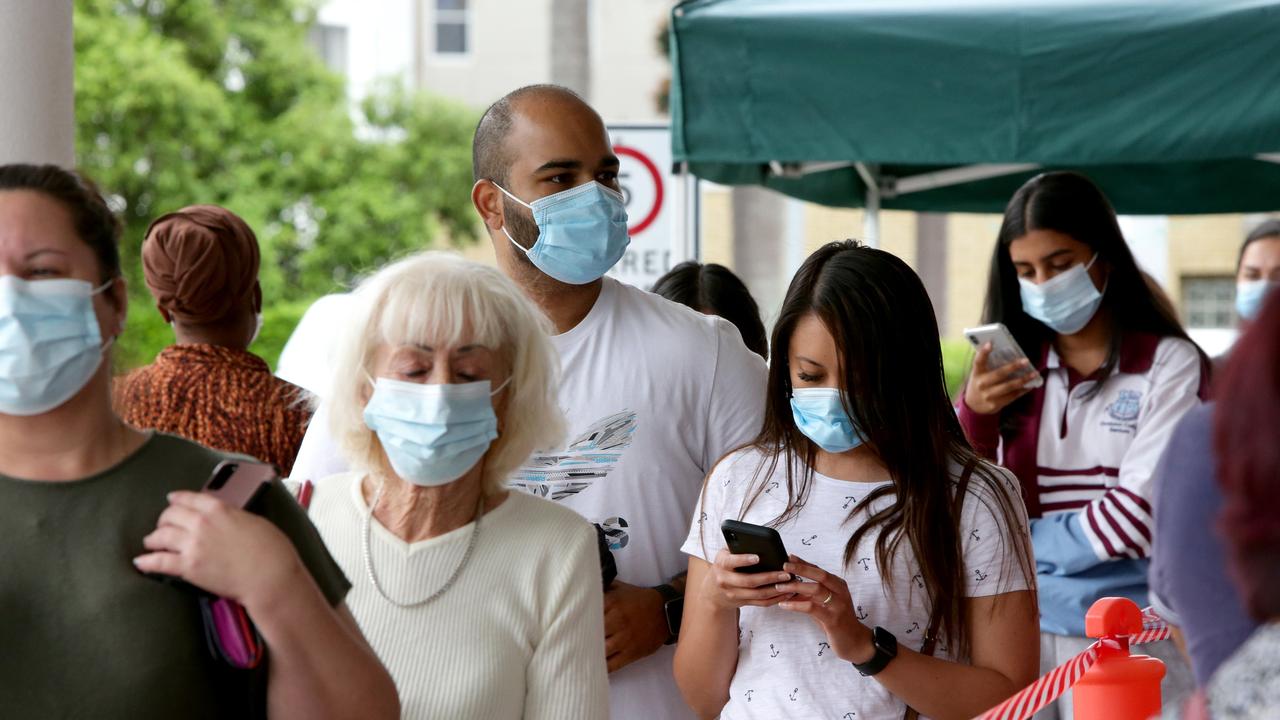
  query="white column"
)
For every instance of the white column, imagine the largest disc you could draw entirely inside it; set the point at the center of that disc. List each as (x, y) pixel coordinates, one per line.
(37, 76)
(37, 82)
(760, 246)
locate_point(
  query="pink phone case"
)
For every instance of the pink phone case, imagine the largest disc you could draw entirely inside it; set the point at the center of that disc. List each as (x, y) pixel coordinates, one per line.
(238, 483)
(236, 635)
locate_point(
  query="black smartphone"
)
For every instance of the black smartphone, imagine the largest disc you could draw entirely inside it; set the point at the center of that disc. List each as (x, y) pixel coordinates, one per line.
(747, 539)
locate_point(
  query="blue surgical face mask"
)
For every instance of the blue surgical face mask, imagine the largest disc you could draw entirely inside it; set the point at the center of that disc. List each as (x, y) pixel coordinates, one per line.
(1065, 302)
(50, 343)
(582, 232)
(1250, 295)
(432, 434)
(819, 414)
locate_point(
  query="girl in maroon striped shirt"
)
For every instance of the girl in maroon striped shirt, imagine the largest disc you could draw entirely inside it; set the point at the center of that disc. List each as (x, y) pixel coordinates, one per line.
(1119, 371)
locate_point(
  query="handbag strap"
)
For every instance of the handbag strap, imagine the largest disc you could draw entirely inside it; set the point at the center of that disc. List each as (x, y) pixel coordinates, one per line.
(935, 617)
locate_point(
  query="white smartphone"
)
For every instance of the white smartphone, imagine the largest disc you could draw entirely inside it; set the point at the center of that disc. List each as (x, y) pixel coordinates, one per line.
(1004, 349)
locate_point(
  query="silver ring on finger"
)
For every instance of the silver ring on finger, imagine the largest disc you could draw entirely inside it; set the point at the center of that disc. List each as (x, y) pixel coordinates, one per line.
(828, 600)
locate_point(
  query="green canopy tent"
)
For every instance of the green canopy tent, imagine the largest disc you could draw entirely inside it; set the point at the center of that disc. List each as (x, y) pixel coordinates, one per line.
(1171, 106)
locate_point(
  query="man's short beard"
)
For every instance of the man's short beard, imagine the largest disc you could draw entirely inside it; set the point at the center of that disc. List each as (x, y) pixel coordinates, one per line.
(519, 224)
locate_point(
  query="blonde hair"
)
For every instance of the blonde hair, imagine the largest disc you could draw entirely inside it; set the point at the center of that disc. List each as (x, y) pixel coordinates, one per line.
(438, 298)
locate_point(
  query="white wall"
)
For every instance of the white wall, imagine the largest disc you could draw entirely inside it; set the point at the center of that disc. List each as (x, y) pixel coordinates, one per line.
(379, 40)
(509, 46)
(627, 67)
(1148, 238)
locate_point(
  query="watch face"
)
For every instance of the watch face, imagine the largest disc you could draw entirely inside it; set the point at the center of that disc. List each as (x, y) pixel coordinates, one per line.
(885, 641)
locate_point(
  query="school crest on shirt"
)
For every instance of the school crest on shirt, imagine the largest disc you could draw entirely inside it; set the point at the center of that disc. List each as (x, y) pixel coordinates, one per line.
(590, 456)
(1123, 412)
(1126, 405)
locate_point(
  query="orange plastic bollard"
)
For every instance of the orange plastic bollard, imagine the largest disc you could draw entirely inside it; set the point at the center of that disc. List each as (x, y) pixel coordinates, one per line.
(1119, 686)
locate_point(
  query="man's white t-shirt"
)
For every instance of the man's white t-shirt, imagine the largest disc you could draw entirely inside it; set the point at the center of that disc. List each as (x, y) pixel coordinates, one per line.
(786, 668)
(654, 394)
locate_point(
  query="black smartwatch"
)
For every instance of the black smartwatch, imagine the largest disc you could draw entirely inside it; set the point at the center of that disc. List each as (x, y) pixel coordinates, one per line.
(886, 646)
(673, 608)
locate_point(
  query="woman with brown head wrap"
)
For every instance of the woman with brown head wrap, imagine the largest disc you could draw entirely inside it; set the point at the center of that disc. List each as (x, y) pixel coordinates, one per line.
(201, 265)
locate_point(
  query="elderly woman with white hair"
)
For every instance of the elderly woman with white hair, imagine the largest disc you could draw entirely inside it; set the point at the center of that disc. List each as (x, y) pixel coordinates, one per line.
(481, 602)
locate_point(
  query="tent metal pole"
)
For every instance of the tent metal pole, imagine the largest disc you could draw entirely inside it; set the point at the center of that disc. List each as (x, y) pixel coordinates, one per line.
(685, 246)
(871, 207)
(954, 176)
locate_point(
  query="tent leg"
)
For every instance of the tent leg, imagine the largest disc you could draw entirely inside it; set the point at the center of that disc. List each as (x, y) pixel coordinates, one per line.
(871, 206)
(871, 218)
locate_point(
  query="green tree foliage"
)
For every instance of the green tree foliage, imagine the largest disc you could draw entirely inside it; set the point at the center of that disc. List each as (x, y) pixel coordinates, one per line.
(224, 101)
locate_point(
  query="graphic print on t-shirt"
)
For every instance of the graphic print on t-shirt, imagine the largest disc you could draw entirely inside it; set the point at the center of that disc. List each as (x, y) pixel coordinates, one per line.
(589, 457)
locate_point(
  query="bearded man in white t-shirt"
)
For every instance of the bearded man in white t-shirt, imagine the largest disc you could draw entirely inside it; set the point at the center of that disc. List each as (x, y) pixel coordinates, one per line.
(655, 393)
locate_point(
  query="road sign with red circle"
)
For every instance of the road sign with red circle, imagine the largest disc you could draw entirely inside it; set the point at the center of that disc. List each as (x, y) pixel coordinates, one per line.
(652, 195)
(644, 184)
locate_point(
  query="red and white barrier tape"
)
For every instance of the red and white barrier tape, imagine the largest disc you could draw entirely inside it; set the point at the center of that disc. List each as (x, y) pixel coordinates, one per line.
(1040, 693)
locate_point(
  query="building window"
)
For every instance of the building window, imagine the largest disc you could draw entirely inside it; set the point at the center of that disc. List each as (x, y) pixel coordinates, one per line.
(330, 42)
(451, 27)
(1209, 302)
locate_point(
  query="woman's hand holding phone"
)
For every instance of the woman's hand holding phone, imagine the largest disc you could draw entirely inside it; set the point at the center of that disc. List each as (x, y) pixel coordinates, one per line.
(991, 390)
(826, 599)
(730, 589)
(221, 549)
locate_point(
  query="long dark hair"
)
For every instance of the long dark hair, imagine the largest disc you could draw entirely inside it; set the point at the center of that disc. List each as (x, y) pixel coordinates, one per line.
(1069, 203)
(886, 337)
(715, 289)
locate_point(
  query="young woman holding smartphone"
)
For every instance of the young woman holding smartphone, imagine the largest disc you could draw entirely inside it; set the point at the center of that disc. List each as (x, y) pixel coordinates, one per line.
(894, 525)
(1119, 372)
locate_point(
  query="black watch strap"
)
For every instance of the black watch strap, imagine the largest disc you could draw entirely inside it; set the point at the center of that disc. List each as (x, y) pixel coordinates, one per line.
(673, 608)
(886, 646)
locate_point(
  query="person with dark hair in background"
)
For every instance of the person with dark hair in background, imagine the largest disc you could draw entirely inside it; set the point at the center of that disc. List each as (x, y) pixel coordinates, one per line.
(714, 290)
(1188, 575)
(1118, 371)
(1257, 269)
(90, 507)
(201, 266)
(893, 522)
(1247, 685)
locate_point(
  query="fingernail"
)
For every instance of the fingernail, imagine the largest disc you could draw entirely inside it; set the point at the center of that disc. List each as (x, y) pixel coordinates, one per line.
(753, 558)
(780, 587)
(783, 577)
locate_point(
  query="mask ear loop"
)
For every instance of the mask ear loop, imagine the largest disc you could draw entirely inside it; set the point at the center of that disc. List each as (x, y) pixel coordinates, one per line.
(98, 291)
(498, 389)
(522, 249)
(1105, 283)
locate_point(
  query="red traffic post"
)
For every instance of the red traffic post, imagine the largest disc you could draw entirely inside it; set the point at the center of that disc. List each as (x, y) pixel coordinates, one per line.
(1119, 686)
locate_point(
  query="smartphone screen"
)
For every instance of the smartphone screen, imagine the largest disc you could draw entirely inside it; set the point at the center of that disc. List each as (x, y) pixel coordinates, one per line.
(1004, 349)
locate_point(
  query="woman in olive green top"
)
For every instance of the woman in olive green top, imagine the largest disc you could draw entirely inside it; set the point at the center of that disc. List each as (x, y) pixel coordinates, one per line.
(87, 505)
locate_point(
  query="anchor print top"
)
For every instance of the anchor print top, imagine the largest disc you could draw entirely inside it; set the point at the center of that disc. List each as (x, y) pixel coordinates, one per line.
(785, 666)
